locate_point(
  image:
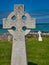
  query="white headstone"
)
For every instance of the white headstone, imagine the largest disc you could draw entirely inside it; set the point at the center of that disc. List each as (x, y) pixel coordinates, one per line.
(39, 36)
(19, 46)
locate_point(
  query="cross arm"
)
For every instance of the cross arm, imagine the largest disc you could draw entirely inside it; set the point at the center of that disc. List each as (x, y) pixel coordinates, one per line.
(7, 23)
(29, 22)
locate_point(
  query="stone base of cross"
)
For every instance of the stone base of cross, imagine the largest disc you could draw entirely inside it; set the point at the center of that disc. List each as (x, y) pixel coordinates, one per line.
(16, 23)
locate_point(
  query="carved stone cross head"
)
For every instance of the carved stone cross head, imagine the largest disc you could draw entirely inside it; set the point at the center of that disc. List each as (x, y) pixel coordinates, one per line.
(19, 19)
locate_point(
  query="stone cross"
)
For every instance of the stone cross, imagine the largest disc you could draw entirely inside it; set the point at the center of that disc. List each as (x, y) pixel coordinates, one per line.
(16, 22)
(39, 36)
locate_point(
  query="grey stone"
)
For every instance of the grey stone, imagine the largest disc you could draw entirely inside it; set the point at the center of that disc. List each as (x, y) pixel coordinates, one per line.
(19, 47)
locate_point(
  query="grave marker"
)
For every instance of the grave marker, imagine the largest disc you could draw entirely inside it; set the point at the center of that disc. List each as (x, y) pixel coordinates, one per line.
(15, 23)
(39, 36)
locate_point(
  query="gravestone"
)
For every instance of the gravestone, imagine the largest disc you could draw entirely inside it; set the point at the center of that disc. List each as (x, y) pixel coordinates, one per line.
(16, 23)
(39, 36)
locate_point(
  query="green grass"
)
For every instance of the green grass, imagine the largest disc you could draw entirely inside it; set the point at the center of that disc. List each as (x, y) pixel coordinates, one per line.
(37, 52)
(5, 52)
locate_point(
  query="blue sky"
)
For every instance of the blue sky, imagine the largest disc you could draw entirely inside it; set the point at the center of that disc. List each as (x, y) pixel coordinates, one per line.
(31, 6)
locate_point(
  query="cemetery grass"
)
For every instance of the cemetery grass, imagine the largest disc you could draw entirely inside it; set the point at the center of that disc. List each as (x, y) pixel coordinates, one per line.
(5, 52)
(37, 52)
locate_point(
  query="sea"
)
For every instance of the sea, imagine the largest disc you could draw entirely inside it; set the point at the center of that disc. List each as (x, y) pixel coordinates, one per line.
(43, 27)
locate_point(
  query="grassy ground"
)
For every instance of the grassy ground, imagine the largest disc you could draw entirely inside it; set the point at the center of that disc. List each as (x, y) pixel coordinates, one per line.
(5, 52)
(37, 52)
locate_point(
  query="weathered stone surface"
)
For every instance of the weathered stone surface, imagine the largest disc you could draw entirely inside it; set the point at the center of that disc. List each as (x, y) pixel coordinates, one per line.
(19, 46)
